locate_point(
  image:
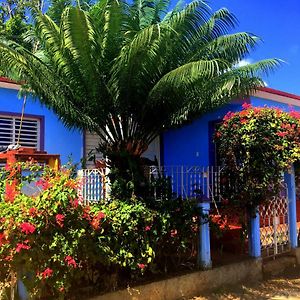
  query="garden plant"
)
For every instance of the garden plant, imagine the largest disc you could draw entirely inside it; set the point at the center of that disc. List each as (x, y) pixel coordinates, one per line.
(56, 245)
(256, 146)
(129, 70)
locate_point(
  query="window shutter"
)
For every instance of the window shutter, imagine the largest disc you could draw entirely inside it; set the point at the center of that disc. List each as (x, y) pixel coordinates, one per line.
(9, 131)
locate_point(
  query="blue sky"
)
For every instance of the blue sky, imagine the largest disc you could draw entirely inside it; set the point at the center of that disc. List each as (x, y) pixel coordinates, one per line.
(277, 23)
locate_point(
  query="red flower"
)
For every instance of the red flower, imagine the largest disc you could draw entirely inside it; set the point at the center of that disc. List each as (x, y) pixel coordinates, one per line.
(60, 220)
(228, 116)
(74, 203)
(21, 246)
(246, 105)
(71, 261)
(282, 134)
(86, 213)
(218, 134)
(32, 211)
(47, 273)
(43, 184)
(3, 239)
(147, 228)
(95, 223)
(71, 184)
(173, 232)
(101, 215)
(141, 266)
(27, 228)
(10, 192)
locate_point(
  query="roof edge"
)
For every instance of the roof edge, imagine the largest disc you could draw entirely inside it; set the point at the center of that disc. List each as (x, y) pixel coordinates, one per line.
(279, 93)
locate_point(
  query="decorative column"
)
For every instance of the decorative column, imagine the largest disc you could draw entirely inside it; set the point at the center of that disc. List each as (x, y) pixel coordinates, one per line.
(204, 255)
(289, 179)
(254, 234)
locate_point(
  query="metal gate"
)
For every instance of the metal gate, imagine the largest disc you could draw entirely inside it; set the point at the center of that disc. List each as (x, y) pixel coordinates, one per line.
(274, 226)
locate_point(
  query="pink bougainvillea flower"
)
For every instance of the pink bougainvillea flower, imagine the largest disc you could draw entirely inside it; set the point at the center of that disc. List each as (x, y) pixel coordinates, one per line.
(44, 184)
(86, 213)
(10, 192)
(8, 258)
(32, 211)
(246, 105)
(141, 266)
(101, 215)
(147, 228)
(73, 184)
(228, 116)
(60, 220)
(21, 246)
(3, 239)
(74, 203)
(173, 232)
(46, 273)
(218, 134)
(282, 134)
(71, 261)
(27, 228)
(95, 223)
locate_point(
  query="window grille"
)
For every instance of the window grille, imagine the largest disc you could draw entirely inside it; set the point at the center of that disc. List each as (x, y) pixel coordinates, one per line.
(30, 131)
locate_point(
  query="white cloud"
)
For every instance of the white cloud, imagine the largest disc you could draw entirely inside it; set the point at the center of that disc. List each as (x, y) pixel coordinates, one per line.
(244, 62)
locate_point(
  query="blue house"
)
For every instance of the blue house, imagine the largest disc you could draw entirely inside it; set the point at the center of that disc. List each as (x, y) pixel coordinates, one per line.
(190, 145)
(41, 128)
(193, 144)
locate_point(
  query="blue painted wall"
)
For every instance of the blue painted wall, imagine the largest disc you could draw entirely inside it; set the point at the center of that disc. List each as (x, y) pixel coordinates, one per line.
(191, 144)
(58, 139)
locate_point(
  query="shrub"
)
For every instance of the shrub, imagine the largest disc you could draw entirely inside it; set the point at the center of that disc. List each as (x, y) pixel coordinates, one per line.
(256, 146)
(55, 244)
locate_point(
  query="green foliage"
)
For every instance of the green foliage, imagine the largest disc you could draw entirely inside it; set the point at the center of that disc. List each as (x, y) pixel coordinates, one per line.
(256, 146)
(55, 244)
(128, 71)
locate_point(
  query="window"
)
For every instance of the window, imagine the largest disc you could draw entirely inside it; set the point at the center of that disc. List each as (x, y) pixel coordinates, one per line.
(30, 135)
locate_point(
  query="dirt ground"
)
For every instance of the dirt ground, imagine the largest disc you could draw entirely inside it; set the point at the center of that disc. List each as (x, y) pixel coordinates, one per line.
(284, 286)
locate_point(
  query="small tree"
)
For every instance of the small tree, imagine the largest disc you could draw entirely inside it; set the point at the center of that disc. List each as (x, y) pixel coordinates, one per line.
(128, 71)
(256, 146)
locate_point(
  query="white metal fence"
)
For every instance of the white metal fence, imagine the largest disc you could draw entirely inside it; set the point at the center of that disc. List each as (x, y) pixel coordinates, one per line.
(183, 181)
(94, 185)
(274, 225)
(190, 181)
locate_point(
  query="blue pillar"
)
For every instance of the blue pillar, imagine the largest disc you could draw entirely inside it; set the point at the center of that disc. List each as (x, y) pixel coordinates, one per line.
(22, 291)
(289, 179)
(254, 234)
(204, 256)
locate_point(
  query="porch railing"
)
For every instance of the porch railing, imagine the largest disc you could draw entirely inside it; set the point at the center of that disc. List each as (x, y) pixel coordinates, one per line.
(183, 181)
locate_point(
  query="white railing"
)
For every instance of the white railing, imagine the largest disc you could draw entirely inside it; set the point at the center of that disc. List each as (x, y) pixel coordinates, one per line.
(93, 185)
(183, 181)
(190, 181)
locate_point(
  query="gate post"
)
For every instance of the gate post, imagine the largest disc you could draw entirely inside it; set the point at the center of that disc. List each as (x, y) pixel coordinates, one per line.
(254, 234)
(204, 256)
(289, 179)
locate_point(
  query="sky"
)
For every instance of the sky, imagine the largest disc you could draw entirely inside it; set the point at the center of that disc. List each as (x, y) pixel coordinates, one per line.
(277, 23)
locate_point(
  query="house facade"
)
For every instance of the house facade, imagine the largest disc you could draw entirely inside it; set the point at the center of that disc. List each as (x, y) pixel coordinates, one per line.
(41, 128)
(190, 145)
(193, 144)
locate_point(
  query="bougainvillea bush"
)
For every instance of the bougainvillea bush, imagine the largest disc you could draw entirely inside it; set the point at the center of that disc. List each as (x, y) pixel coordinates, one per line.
(55, 244)
(256, 146)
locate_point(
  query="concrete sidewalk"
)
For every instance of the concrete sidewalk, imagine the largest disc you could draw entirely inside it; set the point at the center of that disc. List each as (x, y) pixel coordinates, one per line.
(279, 287)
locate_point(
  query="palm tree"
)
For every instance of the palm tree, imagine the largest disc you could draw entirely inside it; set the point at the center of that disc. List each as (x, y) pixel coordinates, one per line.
(129, 71)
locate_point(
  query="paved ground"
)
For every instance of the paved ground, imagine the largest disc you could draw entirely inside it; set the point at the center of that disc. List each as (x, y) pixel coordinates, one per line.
(285, 286)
